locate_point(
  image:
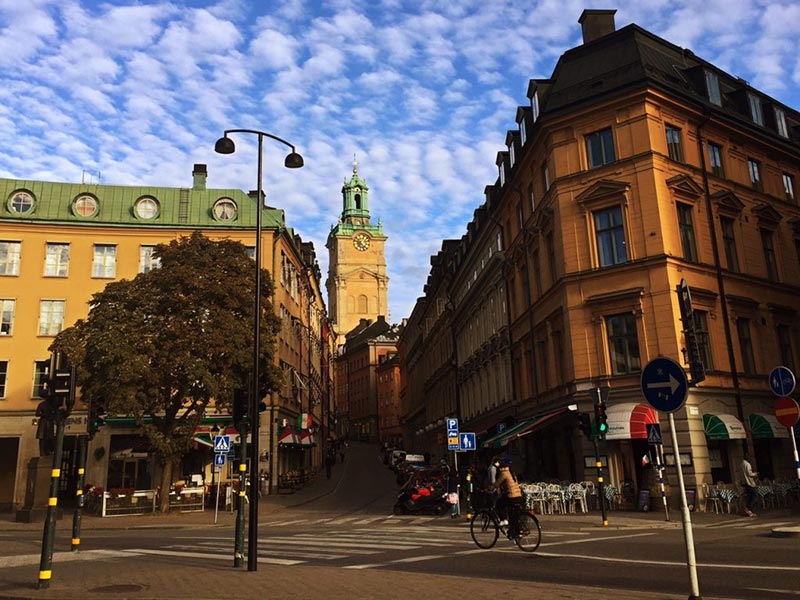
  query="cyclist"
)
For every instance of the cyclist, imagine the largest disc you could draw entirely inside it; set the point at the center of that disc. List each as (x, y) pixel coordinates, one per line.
(510, 502)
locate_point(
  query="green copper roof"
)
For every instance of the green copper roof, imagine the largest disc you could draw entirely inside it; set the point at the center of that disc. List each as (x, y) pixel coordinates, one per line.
(54, 202)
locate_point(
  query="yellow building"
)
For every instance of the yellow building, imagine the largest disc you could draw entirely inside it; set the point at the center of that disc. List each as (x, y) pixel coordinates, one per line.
(62, 242)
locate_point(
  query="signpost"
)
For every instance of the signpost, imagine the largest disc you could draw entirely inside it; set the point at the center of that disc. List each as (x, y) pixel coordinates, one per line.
(786, 409)
(452, 435)
(466, 441)
(665, 387)
(654, 439)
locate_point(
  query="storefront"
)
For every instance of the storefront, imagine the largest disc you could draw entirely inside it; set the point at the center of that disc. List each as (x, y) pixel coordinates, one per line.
(629, 460)
(771, 444)
(722, 432)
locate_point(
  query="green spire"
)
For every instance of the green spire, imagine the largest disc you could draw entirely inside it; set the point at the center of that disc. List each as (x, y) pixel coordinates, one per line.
(354, 197)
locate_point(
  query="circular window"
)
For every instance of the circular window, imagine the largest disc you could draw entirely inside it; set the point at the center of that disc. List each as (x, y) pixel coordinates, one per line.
(21, 203)
(146, 208)
(85, 206)
(225, 209)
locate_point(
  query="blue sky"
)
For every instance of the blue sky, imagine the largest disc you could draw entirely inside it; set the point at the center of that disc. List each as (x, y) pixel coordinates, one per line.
(421, 92)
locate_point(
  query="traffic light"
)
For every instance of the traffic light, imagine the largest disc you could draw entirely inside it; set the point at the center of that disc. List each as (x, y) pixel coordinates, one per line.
(61, 384)
(585, 424)
(97, 416)
(600, 417)
(240, 404)
(692, 350)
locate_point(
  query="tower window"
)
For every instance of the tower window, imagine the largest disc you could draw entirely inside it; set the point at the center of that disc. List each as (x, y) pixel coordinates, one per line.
(358, 201)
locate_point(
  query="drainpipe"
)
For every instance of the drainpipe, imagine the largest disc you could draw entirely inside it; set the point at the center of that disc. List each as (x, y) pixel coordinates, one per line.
(720, 279)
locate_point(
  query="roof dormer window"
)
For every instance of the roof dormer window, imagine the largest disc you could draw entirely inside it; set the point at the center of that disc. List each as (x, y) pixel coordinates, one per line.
(501, 168)
(535, 106)
(780, 122)
(512, 157)
(522, 135)
(712, 88)
(755, 109)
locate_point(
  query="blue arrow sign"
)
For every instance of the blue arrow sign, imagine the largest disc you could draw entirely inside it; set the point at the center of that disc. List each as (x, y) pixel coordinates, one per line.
(219, 460)
(466, 441)
(222, 443)
(664, 384)
(781, 381)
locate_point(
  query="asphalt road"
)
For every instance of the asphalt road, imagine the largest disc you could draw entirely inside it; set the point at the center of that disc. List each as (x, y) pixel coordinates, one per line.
(352, 527)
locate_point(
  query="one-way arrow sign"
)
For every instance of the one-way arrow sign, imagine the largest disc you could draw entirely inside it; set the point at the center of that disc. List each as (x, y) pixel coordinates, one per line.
(664, 384)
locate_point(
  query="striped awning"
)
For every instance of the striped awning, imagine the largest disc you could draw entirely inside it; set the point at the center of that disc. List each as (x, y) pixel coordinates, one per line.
(766, 426)
(307, 439)
(523, 428)
(723, 427)
(289, 437)
(629, 420)
(205, 436)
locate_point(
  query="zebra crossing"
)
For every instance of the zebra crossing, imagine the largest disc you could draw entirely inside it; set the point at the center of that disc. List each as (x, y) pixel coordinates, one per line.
(750, 524)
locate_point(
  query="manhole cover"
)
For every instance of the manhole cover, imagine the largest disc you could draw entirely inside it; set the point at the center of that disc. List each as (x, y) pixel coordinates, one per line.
(118, 589)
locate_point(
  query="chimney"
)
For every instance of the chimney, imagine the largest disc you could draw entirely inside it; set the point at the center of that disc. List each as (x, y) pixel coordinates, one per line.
(199, 176)
(596, 23)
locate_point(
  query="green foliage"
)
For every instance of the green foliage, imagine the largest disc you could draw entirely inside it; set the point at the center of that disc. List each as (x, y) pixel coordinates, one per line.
(162, 346)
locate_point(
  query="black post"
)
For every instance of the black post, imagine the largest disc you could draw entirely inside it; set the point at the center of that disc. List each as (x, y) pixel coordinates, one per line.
(48, 537)
(238, 552)
(595, 435)
(76, 517)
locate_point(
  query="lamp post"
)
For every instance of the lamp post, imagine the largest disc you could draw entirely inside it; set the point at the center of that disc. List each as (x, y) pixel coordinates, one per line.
(293, 160)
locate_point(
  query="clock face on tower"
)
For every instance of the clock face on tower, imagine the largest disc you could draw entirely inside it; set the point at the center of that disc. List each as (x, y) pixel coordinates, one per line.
(361, 241)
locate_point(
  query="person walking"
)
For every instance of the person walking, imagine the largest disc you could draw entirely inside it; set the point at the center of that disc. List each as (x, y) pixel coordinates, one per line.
(749, 485)
(329, 460)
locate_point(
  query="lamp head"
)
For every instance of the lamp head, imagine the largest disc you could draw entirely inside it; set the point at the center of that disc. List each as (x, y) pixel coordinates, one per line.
(293, 160)
(224, 145)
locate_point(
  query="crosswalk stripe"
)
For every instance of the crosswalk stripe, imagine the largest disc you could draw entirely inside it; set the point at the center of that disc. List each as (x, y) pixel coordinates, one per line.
(270, 561)
(771, 525)
(398, 540)
(411, 559)
(265, 552)
(283, 523)
(360, 567)
(355, 544)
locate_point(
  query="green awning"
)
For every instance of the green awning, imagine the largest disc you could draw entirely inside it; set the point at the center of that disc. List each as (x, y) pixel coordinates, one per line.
(523, 428)
(766, 426)
(723, 427)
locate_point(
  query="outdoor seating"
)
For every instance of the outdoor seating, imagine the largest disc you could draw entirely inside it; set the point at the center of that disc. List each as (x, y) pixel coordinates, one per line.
(711, 498)
(575, 496)
(728, 495)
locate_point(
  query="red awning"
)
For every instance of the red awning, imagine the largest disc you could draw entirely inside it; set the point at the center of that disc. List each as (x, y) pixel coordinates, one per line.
(628, 421)
(289, 437)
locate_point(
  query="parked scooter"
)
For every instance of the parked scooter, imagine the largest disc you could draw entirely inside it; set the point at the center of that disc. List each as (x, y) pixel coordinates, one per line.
(415, 500)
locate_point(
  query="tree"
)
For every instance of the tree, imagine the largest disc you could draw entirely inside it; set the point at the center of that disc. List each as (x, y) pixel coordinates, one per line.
(163, 346)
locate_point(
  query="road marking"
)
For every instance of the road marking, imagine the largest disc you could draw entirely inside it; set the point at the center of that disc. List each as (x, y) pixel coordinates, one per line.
(597, 539)
(346, 544)
(669, 563)
(427, 541)
(282, 552)
(60, 557)
(367, 521)
(764, 525)
(359, 567)
(284, 523)
(787, 592)
(412, 559)
(265, 560)
(342, 520)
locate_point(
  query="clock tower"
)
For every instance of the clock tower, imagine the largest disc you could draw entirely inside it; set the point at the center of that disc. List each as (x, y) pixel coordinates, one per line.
(357, 282)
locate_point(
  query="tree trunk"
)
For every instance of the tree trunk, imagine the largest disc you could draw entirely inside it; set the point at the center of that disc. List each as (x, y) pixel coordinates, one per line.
(166, 482)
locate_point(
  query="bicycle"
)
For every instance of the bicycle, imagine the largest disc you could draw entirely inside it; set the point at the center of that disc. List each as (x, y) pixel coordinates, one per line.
(485, 528)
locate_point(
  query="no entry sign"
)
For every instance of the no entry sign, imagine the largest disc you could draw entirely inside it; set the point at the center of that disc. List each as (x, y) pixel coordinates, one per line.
(786, 411)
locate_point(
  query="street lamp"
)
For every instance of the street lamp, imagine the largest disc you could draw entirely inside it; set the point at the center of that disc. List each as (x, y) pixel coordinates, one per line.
(293, 160)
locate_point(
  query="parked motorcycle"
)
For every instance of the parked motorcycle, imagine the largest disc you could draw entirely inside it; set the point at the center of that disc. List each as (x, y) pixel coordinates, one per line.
(411, 501)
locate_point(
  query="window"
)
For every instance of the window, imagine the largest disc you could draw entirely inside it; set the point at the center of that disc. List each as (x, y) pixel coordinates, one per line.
(3, 377)
(785, 347)
(535, 106)
(687, 232)
(251, 252)
(674, 143)
(600, 148)
(7, 316)
(545, 176)
(520, 217)
(502, 170)
(755, 109)
(21, 203)
(729, 243)
(746, 346)
(9, 258)
(788, 187)
(551, 256)
(105, 261)
(40, 376)
(712, 88)
(532, 196)
(780, 122)
(512, 157)
(51, 317)
(148, 262)
(523, 136)
(623, 344)
(754, 167)
(715, 159)
(56, 260)
(703, 339)
(610, 235)
(769, 254)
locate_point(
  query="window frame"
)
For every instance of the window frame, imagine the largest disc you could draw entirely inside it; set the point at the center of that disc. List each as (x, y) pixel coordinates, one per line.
(55, 261)
(3, 377)
(715, 155)
(146, 260)
(8, 306)
(745, 340)
(10, 267)
(788, 187)
(610, 233)
(703, 337)
(754, 170)
(686, 231)
(780, 122)
(768, 248)
(41, 370)
(605, 140)
(713, 91)
(674, 146)
(100, 261)
(756, 112)
(727, 225)
(46, 327)
(785, 347)
(629, 337)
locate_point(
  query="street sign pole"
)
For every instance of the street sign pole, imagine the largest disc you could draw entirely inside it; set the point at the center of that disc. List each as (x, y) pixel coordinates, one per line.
(660, 467)
(83, 441)
(238, 548)
(787, 412)
(794, 449)
(218, 475)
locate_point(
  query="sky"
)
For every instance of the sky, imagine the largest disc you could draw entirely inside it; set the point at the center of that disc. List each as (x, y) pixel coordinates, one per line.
(422, 93)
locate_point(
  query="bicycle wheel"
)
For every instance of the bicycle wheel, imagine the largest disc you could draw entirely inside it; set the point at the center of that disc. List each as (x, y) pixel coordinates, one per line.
(530, 532)
(483, 528)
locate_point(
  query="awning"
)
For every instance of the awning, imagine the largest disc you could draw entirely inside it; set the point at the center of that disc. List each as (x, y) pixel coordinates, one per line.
(765, 426)
(307, 439)
(629, 420)
(723, 427)
(204, 435)
(289, 437)
(523, 428)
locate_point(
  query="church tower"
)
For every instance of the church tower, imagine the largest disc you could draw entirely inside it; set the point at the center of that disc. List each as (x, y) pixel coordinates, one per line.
(357, 282)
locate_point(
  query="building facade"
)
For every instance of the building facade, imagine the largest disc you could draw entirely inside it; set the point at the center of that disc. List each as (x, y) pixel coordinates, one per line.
(62, 242)
(634, 166)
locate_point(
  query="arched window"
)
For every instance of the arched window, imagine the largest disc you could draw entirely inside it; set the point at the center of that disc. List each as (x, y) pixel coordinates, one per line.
(358, 201)
(362, 304)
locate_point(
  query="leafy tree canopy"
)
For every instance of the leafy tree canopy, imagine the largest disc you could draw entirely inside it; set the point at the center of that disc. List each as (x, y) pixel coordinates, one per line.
(161, 347)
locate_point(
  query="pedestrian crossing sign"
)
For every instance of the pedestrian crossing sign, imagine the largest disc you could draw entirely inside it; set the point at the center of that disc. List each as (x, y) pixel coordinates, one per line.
(654, 434)
(222, 443)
